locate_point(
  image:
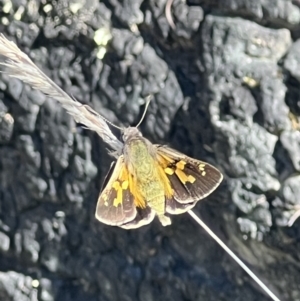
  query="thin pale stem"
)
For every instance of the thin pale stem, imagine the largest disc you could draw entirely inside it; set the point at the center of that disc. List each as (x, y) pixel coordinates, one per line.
(234, 257)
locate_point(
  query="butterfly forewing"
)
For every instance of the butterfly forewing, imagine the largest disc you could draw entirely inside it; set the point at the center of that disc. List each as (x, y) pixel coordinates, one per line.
(116, 203)
(191, 179)
(205, 182)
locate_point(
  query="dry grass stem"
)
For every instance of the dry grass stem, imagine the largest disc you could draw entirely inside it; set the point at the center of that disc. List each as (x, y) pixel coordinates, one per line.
(20, 66)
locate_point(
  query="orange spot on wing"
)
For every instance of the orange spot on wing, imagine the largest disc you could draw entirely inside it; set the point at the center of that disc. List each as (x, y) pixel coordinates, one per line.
(118, 200)
(191, 179)
(139, 201)
(116, 185)
(182, 176)
(125, 185)
(202, 166)
(180, 164)
(169, 171)
(120, 185)
(169, 192)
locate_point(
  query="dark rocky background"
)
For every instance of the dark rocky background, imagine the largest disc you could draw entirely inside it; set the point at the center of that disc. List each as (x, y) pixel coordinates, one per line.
(225, 82)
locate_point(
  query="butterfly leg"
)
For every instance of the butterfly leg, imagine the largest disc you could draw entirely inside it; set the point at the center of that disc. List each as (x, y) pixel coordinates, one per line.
(165, 220)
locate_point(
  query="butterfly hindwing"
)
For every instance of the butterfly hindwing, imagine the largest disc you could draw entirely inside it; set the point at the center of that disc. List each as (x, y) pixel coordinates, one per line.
(115, 205)
(191, 179)
(144, 217)
(174, 207)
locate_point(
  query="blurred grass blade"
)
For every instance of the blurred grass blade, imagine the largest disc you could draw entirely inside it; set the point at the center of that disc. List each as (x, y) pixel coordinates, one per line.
(234, 257)
(20, 66)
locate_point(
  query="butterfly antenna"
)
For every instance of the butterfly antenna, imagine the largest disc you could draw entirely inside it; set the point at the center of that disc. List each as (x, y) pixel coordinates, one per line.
(234, 257)
(102, 117)
(109, 122)
(148, 99)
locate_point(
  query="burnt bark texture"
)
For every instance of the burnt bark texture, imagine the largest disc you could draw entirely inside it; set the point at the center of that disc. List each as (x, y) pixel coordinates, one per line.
(225, 79)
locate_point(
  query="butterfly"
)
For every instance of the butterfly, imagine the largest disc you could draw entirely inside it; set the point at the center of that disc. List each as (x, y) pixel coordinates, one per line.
(149, 180)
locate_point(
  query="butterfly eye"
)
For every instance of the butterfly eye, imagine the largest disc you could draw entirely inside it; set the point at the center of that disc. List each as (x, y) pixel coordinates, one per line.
(125, 135)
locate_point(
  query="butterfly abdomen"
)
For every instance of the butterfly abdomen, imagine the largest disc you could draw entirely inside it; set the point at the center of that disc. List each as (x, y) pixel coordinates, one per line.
(141, 164)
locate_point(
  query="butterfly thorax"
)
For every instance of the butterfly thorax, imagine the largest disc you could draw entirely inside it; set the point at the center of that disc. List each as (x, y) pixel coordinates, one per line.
(139, 154)
(140, 162)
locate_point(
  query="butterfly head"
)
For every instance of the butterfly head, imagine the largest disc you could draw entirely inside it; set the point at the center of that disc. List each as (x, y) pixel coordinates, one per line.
(131, 133)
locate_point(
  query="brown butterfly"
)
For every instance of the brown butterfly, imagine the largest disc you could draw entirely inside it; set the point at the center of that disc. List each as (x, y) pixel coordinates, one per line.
(149, 180)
